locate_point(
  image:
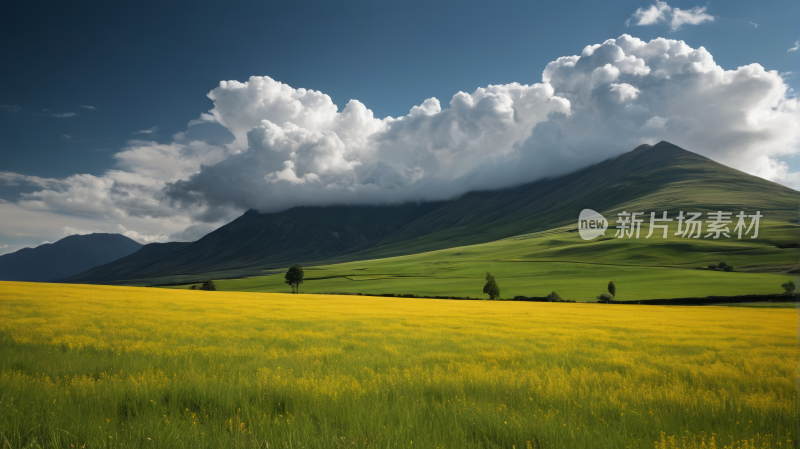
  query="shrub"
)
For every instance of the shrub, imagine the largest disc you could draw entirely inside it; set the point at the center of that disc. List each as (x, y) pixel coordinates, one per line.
(728, 268)
(554, 297)
(712, 267)
(209, 286)
(788, 288)
(194, 287)
(605, 297)
(722, 265)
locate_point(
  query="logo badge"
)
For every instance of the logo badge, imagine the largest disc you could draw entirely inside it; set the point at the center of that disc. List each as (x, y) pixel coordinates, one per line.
(591, 224)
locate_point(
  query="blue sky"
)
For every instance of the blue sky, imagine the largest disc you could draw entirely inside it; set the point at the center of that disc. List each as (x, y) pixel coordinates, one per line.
(82, 80)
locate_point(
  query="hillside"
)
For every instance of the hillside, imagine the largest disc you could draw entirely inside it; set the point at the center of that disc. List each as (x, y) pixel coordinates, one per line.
(656, 178)
(66, 257)
(133, 263)
(254, 239)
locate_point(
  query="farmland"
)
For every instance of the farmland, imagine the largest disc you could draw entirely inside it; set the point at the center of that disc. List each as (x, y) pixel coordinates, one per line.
(99, 366)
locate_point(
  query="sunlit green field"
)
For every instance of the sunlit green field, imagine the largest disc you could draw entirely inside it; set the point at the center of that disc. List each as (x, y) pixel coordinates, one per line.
(94, 366)
(536, 264)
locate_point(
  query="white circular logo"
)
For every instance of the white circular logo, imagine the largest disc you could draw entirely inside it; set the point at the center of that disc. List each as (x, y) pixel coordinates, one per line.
(591, 224)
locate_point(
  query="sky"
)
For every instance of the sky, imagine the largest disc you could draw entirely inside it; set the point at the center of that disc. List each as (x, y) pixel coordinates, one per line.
(165, 120)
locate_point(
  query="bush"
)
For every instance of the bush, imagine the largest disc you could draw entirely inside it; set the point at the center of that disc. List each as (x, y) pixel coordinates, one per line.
(194, 287)
(728, 268)
(605, 297)
(722, 265)
(554, 297)
(788, 288)
(209, 286)
(712, 267)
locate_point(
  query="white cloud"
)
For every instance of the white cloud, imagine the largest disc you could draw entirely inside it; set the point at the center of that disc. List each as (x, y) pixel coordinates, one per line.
(147, 131)
(270, 146)
(754, 24)
(10, 107)
(676, 17)
(796, 46)
(89, 107)
(63, 114)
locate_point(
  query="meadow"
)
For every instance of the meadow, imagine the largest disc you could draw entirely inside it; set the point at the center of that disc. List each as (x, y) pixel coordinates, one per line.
(98, 366)
(556, 260)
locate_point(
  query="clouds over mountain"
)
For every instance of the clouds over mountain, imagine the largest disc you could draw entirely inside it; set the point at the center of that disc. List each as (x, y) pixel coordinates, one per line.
(270, 146)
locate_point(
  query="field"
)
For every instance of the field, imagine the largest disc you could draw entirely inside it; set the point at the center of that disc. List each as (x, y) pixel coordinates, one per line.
(94, 366)
(538, 263)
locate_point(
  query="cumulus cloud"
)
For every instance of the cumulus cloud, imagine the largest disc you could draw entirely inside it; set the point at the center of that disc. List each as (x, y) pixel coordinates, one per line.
(676, 17)
(796, 46)
(270, 146)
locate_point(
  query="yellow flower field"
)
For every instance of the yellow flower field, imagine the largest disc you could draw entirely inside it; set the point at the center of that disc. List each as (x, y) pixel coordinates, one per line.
(97, 366)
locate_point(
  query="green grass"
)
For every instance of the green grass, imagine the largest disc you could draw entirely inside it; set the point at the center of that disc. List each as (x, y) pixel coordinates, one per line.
(557, 260)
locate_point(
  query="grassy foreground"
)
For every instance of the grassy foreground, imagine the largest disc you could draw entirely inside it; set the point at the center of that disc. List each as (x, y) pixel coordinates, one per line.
(95, 366)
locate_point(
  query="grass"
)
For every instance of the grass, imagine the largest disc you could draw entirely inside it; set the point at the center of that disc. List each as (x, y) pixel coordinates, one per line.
(98, 366)
(536, 264)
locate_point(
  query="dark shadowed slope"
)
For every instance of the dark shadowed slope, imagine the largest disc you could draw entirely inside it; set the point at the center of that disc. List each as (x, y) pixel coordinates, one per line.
(254, 239)
(656, 178)
(66, 257)
(133, 263)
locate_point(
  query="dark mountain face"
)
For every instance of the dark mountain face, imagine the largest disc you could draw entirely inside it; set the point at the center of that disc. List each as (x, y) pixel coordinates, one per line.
(254, 239)
(650, 178)
(66, 257)
(133, 263)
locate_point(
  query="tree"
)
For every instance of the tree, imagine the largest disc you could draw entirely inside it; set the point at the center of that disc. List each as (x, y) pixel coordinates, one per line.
(612, 288)
(728, 268)
(722, 265)
(294, 277)
(194, 287)
(788, 288)
(209, 285)
(491, 288)
(712, 267)
(605, 297)
(554, 297)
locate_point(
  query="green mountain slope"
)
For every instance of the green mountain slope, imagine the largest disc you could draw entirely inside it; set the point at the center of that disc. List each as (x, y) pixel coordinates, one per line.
(532, 222)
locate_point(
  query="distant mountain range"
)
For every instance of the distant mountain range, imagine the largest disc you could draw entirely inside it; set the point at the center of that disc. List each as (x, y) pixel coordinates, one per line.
(661, 177)
(66, 257)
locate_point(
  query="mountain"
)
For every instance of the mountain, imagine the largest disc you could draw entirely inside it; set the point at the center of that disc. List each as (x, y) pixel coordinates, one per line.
(661, 177)
(66, 257)
(256, 240)
(131, 264)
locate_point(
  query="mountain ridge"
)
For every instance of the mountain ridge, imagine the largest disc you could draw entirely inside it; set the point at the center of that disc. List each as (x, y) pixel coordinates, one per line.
(659, 177)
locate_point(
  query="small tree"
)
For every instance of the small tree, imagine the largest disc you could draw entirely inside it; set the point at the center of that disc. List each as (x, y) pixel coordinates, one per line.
(712, 267)
(209, 285)
(294, 277)
(554, 297)
(194, 287)
(612, 288)
(722, 265)
(728, 268)
(491, 288)
(605, 297)
(788, 288)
